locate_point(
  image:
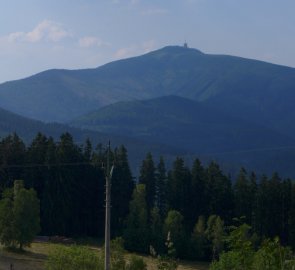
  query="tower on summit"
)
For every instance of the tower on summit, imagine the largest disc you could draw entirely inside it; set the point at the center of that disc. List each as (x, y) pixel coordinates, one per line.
(185, 45)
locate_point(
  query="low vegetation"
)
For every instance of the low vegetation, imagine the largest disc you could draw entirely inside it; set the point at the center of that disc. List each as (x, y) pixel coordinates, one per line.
(242, 254)
(41, 255)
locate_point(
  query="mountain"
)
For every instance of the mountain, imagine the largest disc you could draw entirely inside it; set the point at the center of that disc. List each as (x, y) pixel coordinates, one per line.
(256, 91)
(231, 106)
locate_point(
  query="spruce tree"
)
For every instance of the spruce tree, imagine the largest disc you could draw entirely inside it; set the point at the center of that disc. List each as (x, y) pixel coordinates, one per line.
(156, 231)
(291, 220)
(148, 178)
(221, 197)
(243, 196)
(199, 191)
(179, 192)
(12, 157)
(161, 188)
(121, 191)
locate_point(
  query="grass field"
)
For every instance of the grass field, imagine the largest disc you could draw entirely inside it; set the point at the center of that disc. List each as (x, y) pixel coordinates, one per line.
(34, 259)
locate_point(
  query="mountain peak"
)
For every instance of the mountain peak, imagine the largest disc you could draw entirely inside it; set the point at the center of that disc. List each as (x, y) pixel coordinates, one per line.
(174, 49)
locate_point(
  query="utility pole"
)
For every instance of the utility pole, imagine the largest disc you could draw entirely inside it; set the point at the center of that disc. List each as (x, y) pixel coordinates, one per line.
(108, 174)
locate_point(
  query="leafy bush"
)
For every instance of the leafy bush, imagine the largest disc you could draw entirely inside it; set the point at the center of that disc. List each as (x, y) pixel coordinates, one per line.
(73, 258)
(19, 216)
(273, 256)
(136, 263)
(242, 256)
(229, 260)
(82, 258)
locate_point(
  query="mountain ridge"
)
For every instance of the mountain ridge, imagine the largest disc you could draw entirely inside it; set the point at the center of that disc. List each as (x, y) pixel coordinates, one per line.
(194, 125)
(61, 95)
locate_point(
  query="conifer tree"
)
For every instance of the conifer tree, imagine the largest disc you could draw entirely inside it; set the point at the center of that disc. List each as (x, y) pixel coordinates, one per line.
(291, 220)
(179, 183)
(221, 196)
(12, 152)
(285, 210)
(199, 192)
(148, 178)
(161, 188)
(121, 191)
(156, 231)
(254, 201)
(243, 196)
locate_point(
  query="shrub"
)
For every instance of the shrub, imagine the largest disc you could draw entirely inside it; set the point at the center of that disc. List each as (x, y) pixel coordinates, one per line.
(73, 258)
(136, 263)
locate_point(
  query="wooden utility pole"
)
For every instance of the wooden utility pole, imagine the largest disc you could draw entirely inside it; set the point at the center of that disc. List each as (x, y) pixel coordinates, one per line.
(108, 211)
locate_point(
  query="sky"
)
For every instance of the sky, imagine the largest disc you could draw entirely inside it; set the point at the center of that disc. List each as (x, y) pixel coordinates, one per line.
(36, 35)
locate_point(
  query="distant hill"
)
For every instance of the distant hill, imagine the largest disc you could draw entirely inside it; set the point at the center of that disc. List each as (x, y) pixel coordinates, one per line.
(191, 126)
(255, 90)
(178, 121)
(27, 129)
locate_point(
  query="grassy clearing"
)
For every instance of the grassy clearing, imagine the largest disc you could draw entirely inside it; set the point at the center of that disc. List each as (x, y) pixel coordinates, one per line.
(34, 258)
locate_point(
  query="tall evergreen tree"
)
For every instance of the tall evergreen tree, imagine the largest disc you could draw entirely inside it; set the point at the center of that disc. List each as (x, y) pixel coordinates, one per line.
(243, 196)
(148, 178)
(157, 238)
(221, 197)
(254, 200)
(68, 187)
(285, 209)
(291, 219)
(262, 206)
(121, 191)
(179, 183)
(37, 175)
(88, 151)
(275, 205)
(199, 191)
(12, 158)
(270, 206)
(161, 188)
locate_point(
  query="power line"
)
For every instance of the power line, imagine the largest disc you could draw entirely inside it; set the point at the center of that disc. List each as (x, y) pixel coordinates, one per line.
(33, 165)
(185, 155)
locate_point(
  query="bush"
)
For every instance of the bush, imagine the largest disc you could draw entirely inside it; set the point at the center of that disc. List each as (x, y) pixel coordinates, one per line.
(273, 256)
(242, 256)
(73, 258)
(229, 260)
(136, 263)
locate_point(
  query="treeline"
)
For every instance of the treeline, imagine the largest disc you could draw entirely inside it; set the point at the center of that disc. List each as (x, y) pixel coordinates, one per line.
(69, 181)
(193, 207)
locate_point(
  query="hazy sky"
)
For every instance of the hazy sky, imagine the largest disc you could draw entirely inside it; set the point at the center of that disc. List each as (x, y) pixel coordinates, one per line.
(36, 35)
